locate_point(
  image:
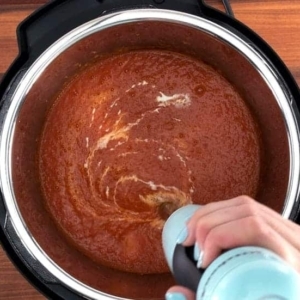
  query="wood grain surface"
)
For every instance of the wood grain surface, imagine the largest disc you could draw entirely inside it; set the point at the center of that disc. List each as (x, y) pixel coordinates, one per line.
(277, 21)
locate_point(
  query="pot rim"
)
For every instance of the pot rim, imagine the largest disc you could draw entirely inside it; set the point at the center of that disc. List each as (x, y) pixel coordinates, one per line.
(118, 18)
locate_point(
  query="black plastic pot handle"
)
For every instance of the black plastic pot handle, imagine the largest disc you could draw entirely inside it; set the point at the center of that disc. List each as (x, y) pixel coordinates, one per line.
(53, 20)
(185, 269)
(228, 8)
(56, 18)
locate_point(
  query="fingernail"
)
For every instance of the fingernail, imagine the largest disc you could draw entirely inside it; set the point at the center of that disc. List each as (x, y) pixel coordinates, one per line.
(175, 296)
(198, 255)
(182, 236)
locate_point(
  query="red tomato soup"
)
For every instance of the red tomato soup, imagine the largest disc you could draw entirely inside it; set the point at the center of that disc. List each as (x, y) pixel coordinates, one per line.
(135, 136)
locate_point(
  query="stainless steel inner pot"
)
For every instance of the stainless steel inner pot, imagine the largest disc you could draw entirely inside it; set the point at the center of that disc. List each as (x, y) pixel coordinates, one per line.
(239, 61)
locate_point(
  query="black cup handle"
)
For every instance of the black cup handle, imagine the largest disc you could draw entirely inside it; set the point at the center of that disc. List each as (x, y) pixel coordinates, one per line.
(185, 270)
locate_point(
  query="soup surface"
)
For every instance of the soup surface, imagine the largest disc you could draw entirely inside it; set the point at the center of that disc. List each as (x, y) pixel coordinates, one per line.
(135, 136)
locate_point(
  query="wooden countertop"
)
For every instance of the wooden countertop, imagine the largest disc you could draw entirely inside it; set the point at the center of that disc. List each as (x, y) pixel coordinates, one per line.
(277, 21)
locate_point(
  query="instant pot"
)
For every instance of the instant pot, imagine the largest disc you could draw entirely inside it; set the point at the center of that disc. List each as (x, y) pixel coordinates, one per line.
(54, 43)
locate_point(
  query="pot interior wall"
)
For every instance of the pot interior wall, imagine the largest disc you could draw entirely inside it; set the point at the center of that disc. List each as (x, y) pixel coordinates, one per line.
(274, 173)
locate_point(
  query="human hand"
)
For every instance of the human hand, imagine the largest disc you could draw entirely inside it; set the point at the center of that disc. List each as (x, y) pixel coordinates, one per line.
(233, 223)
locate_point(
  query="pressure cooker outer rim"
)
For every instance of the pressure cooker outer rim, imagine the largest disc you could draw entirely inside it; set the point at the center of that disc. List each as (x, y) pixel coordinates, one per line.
(44, 288)
(15, 256)
(295, 211)
(138, 15)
